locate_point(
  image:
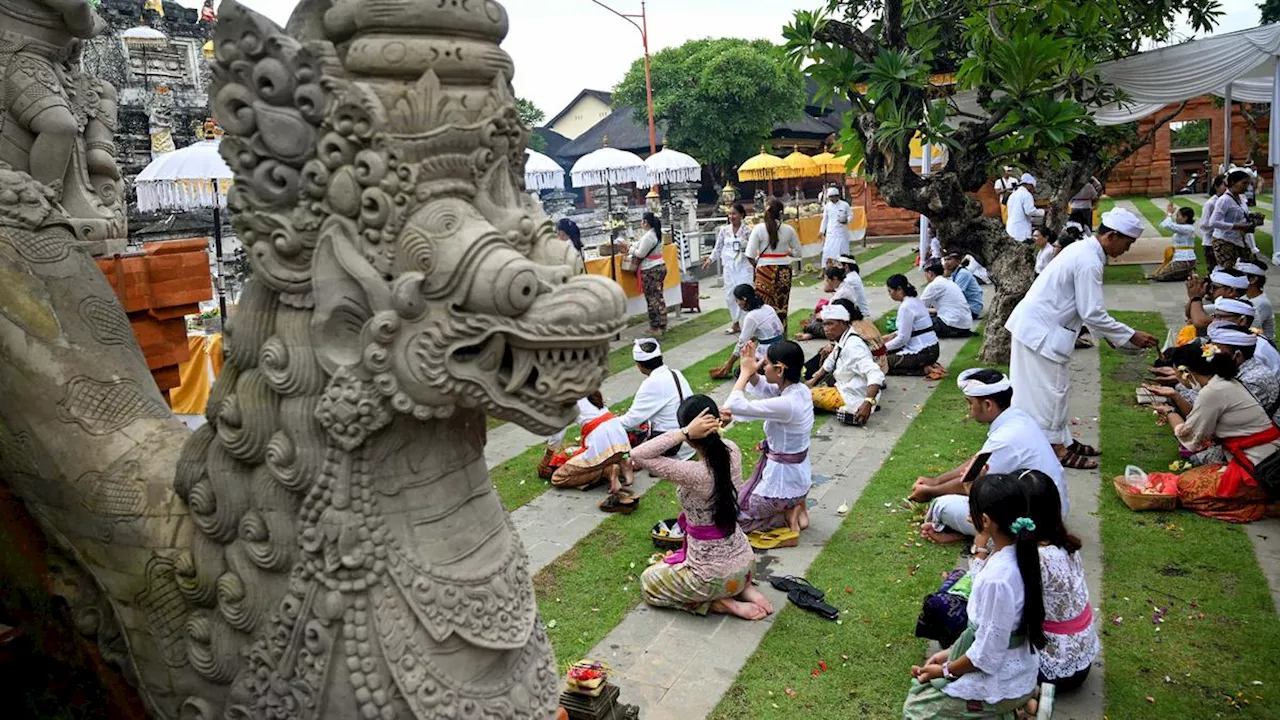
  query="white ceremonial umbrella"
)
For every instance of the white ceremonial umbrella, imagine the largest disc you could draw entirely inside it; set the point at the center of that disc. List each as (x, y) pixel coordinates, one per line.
(191, 178)
(541, 172)
(671, 166)
(608, 166)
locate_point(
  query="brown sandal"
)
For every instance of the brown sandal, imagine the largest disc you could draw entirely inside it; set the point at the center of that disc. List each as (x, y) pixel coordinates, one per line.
(624, 504)
(1080, 448)
(1075, 461)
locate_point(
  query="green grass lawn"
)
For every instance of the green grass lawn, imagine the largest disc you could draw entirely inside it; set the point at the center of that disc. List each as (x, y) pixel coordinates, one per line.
(876, 569)
(1152, 212)
(1124, 274)
(1218, 631)
(899, 266)
(1106, 204)
(808, 279)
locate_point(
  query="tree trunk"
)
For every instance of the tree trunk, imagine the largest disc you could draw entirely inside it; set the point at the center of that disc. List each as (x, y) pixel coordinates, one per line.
(1011, 265)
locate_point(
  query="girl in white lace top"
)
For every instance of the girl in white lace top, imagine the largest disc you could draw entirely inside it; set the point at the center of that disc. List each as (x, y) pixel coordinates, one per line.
(1072, 640)
(992, 669)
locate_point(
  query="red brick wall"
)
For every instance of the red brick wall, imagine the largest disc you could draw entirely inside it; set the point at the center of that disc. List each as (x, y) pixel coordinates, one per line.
(157, 288)
(1147, 171)
(884, 220)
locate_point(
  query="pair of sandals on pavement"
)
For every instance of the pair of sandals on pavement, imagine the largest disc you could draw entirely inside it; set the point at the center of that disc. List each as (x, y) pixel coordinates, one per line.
(1080, 456)
(623, 502)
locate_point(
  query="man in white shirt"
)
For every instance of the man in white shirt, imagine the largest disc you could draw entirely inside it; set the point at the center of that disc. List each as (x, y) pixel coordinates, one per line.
(1006, 184)
(835, 227)
(659, 396)
(952, 317)
(858, 377)
(965, 280)
(1023, 213)
(1015, 443)
(1226, 284)
(1257, 294)
(1241, 314)
(1066, 296)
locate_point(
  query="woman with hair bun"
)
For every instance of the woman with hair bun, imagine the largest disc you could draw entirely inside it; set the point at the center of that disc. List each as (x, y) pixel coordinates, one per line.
(712, 572)
(913, 347)
(775, 496)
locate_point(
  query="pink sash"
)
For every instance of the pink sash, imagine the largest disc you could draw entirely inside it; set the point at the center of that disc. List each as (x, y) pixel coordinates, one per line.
(1071, 627)
(744, 494)
(697, 532)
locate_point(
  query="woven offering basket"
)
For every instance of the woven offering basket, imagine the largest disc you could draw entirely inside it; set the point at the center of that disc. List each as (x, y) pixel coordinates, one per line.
(1140, 501)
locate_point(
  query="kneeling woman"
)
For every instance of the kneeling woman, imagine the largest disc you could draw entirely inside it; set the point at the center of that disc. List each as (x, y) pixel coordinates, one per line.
(759, 322)
(712, 572)
(604, 455)
(1227, 411)
(913, 348)
(991, 671)
(775, 495)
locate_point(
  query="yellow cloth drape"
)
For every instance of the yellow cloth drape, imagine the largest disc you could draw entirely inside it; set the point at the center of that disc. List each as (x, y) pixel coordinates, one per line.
(191, 397)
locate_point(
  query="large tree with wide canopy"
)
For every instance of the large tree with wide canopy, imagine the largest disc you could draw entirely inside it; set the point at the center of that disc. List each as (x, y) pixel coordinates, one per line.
(1030, 65)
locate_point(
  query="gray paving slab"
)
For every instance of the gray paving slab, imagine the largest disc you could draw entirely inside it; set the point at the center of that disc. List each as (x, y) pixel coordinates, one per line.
(1083, 487)
(1265, 536)
(676, 683)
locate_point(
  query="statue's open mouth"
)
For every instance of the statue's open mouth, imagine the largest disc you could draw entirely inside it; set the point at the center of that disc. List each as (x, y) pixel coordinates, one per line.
(544, 374)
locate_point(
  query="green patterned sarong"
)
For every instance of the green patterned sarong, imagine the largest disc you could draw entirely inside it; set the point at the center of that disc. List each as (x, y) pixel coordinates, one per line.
(926, 701)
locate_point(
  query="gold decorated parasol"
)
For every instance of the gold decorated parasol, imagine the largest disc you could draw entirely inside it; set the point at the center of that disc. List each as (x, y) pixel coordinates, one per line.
(798, 165)
(761, 167)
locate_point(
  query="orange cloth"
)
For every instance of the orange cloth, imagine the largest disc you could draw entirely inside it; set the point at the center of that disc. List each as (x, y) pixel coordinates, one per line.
(192, 395)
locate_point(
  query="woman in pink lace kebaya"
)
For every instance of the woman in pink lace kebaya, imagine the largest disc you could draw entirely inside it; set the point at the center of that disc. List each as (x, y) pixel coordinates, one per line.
(712, 572)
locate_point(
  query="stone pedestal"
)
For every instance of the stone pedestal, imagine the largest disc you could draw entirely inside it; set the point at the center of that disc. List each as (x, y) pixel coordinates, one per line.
(558, 203)
(603, 707)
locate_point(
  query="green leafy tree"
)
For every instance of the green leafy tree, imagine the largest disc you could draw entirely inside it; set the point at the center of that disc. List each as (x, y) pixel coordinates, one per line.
(719, 98)
(1032, 67)
(1270, 11)
(531, 116)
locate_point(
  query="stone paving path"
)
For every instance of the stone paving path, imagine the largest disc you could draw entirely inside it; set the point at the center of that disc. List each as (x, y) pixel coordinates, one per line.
(509, 439)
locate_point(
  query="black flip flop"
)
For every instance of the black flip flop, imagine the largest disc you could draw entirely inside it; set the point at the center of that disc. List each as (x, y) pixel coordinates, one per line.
(805, 596)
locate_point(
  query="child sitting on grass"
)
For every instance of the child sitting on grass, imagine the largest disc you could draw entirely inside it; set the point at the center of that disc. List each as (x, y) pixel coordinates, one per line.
(991, 671)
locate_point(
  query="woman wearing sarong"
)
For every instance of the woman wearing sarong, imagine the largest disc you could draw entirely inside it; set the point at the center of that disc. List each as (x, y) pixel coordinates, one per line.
(604, 455)
(775, 495)
(771, 249)
(1180, 258)
(759, 323)
(1226, 411)
(653, 272)
(991, 671)
(913, 348)
(1230, 222)
(712, 572)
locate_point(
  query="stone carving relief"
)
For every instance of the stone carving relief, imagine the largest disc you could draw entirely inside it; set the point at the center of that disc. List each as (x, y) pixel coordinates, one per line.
(59, 116)
(329, 546)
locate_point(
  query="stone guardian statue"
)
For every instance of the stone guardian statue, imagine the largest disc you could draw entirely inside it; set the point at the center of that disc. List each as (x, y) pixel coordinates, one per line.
(329, 545)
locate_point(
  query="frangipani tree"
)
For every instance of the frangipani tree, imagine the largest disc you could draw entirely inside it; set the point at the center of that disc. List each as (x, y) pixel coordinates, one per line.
(1031, 64)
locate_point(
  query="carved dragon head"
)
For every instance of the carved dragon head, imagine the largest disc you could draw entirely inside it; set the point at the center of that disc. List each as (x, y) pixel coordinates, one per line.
(396, 209)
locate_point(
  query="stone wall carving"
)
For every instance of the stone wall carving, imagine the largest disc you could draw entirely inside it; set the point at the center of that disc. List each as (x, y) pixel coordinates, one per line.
(63, 115)
(329, 545)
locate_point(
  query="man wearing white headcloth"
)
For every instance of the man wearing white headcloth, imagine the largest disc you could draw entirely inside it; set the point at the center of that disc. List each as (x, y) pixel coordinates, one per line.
(1223, 284)
(659, 396)
(1266, 317)
(835, 227)
(1238, 314)
(1023, 213)
(1066, 296)
(858, 377)
(1015, 442)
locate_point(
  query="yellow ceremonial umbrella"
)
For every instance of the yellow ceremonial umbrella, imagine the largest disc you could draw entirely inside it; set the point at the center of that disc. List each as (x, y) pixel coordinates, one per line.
(798, 165)
(830, 164)
(937, 158)
(762, 167)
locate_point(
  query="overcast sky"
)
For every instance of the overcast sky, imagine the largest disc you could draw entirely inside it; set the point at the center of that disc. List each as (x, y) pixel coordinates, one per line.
(561, 47)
